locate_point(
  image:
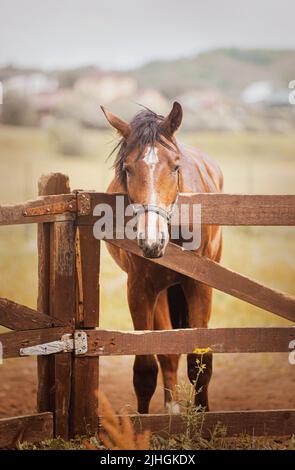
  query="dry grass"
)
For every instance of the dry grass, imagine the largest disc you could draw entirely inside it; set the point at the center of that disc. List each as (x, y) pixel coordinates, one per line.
(120, 434)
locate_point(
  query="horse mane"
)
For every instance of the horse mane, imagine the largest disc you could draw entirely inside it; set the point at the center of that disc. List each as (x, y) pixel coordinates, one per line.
(146, 129)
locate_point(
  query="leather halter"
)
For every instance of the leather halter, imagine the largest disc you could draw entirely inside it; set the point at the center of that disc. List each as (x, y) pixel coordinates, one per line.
(143, 208)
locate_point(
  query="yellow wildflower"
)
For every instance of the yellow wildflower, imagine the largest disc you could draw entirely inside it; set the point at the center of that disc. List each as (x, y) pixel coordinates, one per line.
(201, 350)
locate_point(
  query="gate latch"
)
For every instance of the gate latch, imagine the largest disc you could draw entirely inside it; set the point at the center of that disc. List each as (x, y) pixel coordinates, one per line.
(67, 343)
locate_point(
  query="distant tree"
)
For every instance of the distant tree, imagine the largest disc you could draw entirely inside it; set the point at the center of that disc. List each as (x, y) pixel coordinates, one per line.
(17, 110)
(67, 137)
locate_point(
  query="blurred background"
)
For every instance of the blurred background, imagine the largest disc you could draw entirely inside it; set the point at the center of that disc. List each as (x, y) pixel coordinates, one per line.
(230, 65)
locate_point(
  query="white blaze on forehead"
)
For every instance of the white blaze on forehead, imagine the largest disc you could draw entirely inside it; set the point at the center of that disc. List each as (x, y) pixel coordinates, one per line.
(156, 225)
(151, 159)
(151, 155)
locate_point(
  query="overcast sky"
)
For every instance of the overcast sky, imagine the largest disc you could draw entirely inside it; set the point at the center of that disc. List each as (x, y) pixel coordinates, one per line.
(124, 33)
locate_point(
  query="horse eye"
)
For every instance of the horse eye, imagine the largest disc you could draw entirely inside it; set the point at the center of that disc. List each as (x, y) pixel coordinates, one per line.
(175, 169)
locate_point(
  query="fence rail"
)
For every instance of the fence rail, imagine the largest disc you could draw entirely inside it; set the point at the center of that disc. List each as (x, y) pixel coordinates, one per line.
(217, 209)
(12, 342)
(253, 423)
(45, 209)
(19, 317)
(112, 342)
(215, 275)
(31, 428)
(183, 341)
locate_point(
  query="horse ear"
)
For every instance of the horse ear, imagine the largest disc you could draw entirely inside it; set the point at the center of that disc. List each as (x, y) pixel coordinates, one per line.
(122, 126)
(172, 122)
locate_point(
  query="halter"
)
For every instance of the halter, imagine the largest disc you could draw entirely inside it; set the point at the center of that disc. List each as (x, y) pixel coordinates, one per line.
(143, 208)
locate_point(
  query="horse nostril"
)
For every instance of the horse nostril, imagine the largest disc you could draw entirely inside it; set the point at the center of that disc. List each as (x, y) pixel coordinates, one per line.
(152, 251)
(162, 238)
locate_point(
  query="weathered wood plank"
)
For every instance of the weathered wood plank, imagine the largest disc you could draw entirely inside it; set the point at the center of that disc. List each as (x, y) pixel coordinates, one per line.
(84, 400)
(13, 341)
(32, 428)
(87, 266)
(62, 306)
(62, 271)
(61, 394)
(18, 317)
(57, 298)
(218, 209)
(244, 209)
(84, 403)
(213, 274)
(220, 340)
(254, 423)
(44, 209)
(47, 184)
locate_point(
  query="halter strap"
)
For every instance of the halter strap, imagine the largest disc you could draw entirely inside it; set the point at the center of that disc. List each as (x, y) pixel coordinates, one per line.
(153, 208)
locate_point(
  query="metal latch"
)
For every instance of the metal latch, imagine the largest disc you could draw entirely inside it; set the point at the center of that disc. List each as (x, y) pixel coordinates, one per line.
(67, 343)
(84, 203)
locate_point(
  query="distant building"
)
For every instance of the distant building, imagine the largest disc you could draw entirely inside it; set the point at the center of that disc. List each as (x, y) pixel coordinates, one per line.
(31, 84)
(279, 98)
(105, 88)
(194, 100)
(257, 92)
(49, 103)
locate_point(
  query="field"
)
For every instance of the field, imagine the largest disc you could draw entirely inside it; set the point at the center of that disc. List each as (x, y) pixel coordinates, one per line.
(252, 163)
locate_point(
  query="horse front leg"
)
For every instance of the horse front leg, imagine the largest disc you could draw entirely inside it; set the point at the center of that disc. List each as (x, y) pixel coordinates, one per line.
(142, 299)
(199, 366)
(168, 362)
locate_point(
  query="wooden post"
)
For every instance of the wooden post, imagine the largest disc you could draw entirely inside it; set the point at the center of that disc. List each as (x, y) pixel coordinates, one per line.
(56, 297)
(84, 418)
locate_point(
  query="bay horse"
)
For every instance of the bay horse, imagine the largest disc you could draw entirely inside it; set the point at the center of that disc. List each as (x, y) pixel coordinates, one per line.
(153, 168)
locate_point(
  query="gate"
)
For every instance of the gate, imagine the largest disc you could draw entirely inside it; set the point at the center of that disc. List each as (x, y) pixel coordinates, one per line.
(63, 332)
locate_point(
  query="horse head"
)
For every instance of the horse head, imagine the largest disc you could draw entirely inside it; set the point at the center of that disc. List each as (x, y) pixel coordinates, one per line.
(147, 166)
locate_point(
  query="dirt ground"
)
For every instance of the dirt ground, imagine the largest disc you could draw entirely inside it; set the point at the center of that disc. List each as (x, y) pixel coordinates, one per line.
(240, 382)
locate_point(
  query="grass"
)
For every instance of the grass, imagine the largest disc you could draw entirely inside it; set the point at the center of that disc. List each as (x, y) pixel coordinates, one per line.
(217, 441)
(120, 434)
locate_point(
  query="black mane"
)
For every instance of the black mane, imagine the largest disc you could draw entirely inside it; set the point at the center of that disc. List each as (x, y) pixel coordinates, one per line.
(146, 129)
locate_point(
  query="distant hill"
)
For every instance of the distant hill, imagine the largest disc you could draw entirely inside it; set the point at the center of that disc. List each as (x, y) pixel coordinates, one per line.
(226, 70)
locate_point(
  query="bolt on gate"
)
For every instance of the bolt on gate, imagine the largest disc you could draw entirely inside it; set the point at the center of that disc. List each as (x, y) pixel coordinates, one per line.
(63, 332)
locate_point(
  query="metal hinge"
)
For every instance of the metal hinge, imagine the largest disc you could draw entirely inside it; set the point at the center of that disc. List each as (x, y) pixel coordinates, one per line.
(67, 343)
(84, 203)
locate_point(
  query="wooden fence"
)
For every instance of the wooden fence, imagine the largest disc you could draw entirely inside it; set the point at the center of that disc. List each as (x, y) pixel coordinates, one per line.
(66, 321)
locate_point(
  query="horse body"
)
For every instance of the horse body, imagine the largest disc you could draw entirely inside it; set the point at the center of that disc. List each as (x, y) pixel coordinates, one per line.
(158, 297)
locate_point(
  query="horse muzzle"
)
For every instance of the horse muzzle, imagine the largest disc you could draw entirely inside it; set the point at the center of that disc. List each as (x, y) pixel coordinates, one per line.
(152, 249)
